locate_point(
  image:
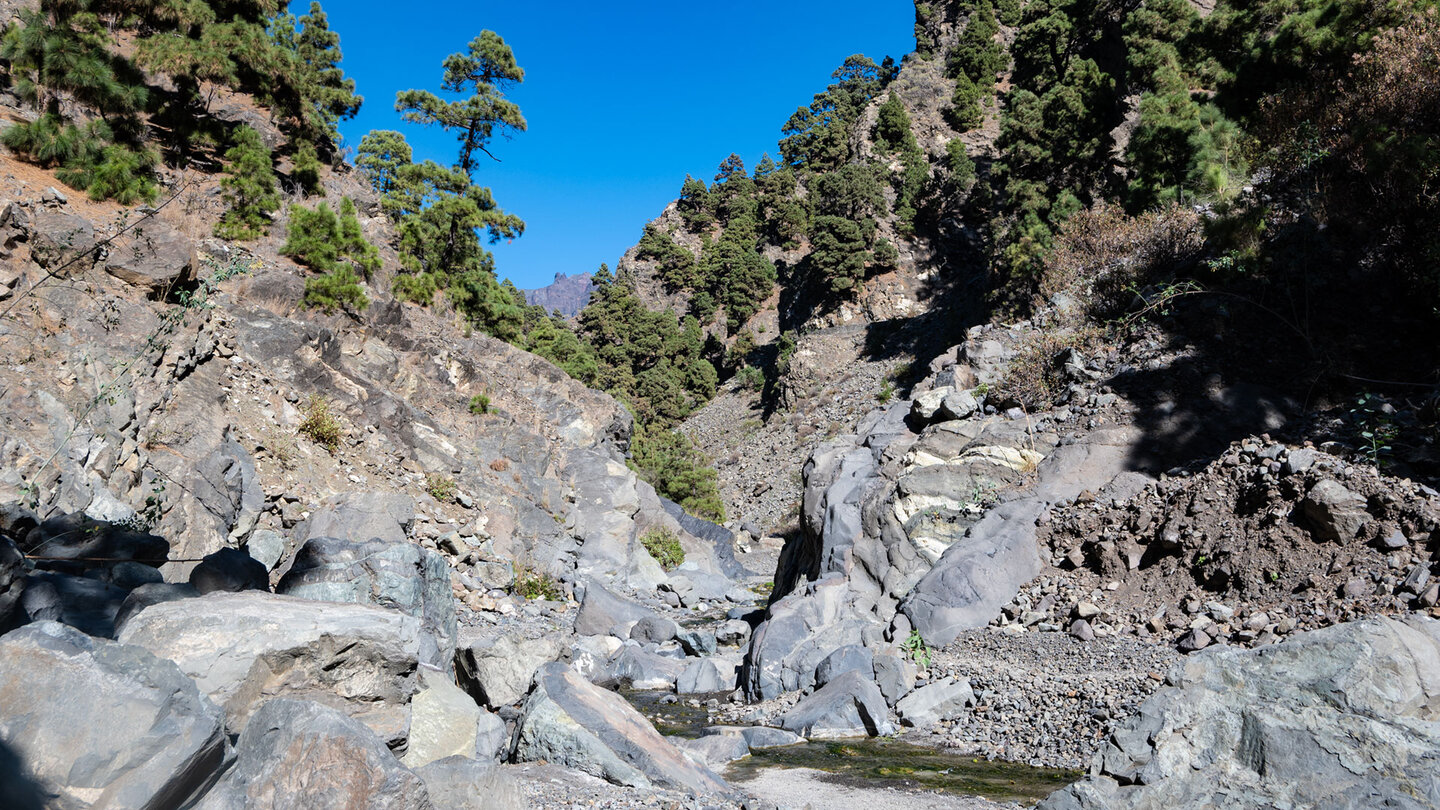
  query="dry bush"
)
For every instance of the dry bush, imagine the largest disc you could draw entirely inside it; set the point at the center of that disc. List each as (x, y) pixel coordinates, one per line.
(1104, 256)
(500, 464)
(1036, 377)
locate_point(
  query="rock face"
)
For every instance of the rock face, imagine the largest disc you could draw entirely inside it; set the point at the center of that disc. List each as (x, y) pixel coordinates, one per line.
(571, 722)
(1343, 717)
(246, 648)
(157, 258)
(106, 724)
(298, 755)
(444, 722)
(568, 294)
(397, 575)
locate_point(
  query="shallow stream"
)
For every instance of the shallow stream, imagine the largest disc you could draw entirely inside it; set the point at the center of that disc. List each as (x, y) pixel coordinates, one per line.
(865, 761)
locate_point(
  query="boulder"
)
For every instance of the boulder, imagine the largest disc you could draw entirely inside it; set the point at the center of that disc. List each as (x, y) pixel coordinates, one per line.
(61, 243)
(895, 675)
(498, 671)
(267, 547)
(299, 755)
(715, 749)
(602, 612)
(855, 657)
(457, 783)
(654, 630)
(569, 721)
(361, 516)
(73, 536)
(444, 722)
(959, 405)
(402, 576)
(12, 580)
(1333, 512)
(150, 594)
(849, 706)
(106, 724)
(89, 605)
(934, 702)
(156, 257)
(733, 633)
(707, 675)
(642, 669)
(229, 569)
(1343, 717)
(246, 648)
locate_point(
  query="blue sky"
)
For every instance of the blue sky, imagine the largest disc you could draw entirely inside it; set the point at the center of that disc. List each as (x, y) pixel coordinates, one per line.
(622, 99)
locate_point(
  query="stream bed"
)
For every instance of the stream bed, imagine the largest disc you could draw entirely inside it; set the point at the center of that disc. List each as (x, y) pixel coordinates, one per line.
(863, 761)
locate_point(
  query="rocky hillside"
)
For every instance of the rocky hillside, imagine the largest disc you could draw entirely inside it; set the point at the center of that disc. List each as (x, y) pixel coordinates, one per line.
(1009, 475)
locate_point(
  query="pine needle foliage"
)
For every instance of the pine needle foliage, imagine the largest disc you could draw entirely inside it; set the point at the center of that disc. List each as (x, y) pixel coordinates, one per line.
(249, 187)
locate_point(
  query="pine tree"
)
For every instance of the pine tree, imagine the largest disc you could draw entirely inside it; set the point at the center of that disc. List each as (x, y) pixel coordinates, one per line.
(485, 71)
(249, 187)
(381, 156)
(306, 171)
(325, 95)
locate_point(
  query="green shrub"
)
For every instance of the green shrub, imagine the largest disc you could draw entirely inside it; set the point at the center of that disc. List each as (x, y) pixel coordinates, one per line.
(249, 186)
(480, 404)
(334, 245)
(532, 584)
(441, 487)
(320, 426)
(664, 546)
(335, 291)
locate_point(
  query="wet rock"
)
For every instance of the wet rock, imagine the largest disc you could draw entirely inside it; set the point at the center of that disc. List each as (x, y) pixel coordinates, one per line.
(401, 576)
(1344, 717)
(498, 671)
(569, 721)
(934, 702)
(245, 648)
(299, 755)
(849, 706)
(229, 569)
(96, 720)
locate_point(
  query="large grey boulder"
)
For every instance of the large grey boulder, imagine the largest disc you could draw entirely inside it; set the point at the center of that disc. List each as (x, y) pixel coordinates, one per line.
(298, 755)
(229, 569)
(12, 580)
(401, 576)
(707, 675)
(569, 721)
(102, 724)
(848, 706)
(1344, 717)
(457, 783)
(640, 668)
(602, 612)
(934, 702)
(246, 648)
(498, 671)
(803, 629)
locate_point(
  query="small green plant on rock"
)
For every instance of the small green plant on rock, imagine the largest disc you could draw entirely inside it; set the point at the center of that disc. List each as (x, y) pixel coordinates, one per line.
(321, 426)
(440, 487)
(1375, 427)
(916, 648)
(664, 546)
(532, 584)
(480, 404)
